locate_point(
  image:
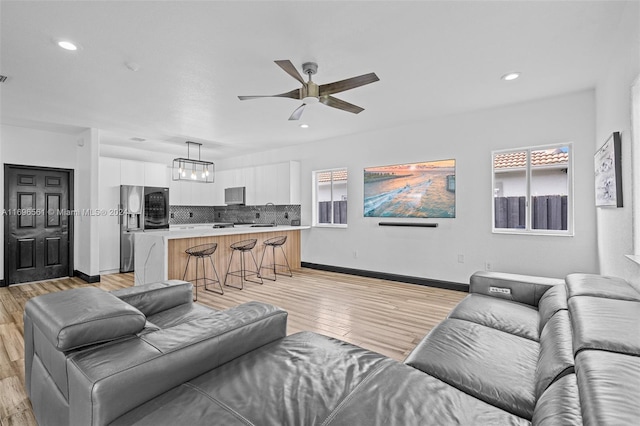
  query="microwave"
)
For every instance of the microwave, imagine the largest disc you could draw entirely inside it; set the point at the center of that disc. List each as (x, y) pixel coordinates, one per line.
(235, 196)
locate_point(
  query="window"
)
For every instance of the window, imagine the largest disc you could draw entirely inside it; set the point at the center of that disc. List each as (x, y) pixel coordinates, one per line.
(330, 197)
(532, 190)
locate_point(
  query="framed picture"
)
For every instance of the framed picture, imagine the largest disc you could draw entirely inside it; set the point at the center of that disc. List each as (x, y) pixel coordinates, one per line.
(425, 190)
(608, 173)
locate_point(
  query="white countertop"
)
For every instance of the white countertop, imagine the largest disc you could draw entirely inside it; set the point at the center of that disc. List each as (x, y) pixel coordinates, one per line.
(207, 230)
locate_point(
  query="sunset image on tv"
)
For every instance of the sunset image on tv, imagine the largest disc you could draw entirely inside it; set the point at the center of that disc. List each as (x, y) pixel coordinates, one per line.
(411, 190)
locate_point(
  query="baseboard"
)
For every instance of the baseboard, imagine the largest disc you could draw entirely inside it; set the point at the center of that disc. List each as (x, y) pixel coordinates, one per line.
(88, 278)
(389, 277)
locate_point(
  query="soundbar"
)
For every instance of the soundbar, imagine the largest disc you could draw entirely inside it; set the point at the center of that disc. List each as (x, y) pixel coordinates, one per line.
(417, 224)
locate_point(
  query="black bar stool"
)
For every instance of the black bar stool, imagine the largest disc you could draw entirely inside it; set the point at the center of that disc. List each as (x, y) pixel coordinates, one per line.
(243, 247)
(273, 243)
(200, 252)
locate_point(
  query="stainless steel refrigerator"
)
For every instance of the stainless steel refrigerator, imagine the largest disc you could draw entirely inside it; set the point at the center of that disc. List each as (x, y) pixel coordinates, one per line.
(143, 208)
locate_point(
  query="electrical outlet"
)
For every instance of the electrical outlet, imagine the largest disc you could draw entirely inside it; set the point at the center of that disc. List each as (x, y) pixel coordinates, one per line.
(461, 258)
(286, 215)
(218, 215)
(257, 215)
(488, 266)
(190, 214)
(355, 254)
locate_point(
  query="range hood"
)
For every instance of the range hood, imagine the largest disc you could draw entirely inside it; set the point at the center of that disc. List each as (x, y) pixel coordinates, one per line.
(234, 196)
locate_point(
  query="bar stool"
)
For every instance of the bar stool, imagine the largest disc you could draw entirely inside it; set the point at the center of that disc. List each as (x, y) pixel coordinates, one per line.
(200, 252)
(243, 247)
(273, 243)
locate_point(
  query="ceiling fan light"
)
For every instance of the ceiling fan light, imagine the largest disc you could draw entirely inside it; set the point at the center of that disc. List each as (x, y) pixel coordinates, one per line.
(310, 100)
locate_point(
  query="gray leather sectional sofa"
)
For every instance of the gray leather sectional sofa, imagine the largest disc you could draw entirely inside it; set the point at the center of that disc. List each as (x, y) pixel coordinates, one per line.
(517, 350)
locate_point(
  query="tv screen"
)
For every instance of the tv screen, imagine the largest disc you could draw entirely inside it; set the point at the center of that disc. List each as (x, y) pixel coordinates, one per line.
(424, 190)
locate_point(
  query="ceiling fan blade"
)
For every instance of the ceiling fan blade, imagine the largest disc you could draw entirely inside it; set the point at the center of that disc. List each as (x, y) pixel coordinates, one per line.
(290, 69)
(294, 94)
(340, 104)
(297, 113)
(349, 83)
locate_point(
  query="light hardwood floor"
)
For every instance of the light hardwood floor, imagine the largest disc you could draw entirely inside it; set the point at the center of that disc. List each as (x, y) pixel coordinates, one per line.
(384, 316)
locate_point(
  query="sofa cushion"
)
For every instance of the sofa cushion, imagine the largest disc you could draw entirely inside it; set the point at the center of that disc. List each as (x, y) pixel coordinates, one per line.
(107, 381)
(186, 403)
(157, 297)
(398, 395)
(491, 365)
(554, 300)
(180, 314)
(559, 405)
(511, 317)
(609, 386)
(83, 316)
(606, 324)
(556, 352)
(297, 380)
(600, 286)
(319, 380)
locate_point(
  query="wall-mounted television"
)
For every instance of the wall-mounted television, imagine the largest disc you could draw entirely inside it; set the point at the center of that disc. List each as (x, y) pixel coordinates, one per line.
(425, 190)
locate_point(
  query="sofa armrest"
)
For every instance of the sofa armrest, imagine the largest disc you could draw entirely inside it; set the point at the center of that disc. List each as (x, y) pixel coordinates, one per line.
(108, 381)
(156, 297)
(526, 289)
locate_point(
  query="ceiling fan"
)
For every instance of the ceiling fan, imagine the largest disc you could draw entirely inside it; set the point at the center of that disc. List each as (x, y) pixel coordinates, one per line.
(311, 93)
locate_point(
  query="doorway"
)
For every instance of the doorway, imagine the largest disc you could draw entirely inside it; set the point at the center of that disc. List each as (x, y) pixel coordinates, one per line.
(38, 223)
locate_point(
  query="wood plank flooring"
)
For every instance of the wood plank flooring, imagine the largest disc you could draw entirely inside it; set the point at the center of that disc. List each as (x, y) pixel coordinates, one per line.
(384, 316)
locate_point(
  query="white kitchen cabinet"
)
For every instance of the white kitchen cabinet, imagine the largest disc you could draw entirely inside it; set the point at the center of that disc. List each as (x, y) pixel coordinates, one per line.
(175, 193)
(155, 174)
(249, 182)
(222, 181)
(131, 172)
(109, 200)
(277, 183)
(201, 193)
(288, 183)
(265, 184)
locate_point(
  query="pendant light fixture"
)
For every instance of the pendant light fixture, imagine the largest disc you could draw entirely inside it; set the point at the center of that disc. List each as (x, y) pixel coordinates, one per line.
(191, 169)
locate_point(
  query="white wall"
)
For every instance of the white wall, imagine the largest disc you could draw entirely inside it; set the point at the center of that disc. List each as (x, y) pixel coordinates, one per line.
(613, 105)
(469, 138)
(19, 145)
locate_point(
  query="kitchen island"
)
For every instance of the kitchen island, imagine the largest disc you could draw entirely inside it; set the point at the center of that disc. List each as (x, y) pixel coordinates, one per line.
(160, 255)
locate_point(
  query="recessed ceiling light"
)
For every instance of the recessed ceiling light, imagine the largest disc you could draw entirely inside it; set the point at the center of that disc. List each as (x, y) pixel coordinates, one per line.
(67, 45)
(510, 76)
(304, 126)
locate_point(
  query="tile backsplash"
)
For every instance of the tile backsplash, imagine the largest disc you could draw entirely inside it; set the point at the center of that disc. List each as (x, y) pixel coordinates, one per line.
(280, 214)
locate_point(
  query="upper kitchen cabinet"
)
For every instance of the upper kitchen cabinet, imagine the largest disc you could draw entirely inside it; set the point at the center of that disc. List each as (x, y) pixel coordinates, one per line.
(276, 183)
(155, 174)
(288, 183)
(187, 193)
(143, 174)
(131, 172)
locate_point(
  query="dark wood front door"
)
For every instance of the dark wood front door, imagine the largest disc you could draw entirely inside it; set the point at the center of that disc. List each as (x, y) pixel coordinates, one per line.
(37, 224)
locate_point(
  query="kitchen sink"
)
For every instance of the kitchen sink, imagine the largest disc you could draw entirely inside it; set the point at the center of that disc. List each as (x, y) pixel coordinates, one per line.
(263, 225)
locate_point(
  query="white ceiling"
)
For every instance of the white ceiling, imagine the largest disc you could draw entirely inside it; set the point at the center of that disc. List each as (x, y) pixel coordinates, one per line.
(194, 58)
